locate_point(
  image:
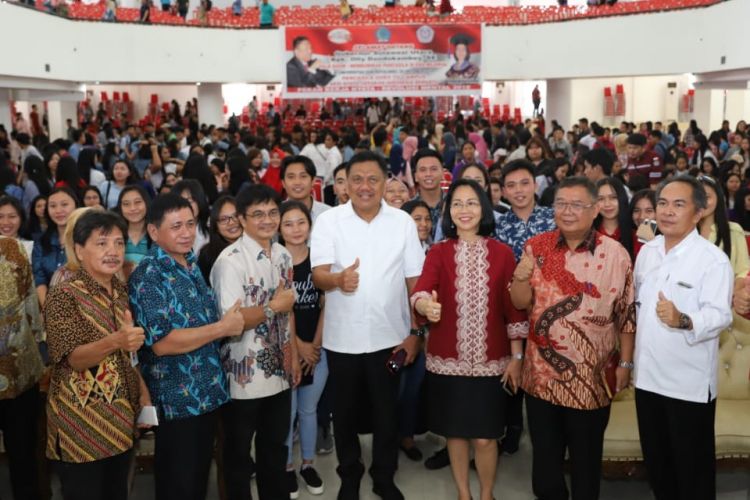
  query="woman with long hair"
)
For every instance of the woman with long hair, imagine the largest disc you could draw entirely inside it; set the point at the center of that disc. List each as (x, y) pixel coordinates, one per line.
(69, 177)
(238, 169)
(34, 179)
(742, 208)
(614, 218)
(196, 168)
(92, 197)
(223, 229)
(715, 227)
(537, 152)
(192, 190)
(49, 251)
(123, 174)
(133, 206)
(37, 221)
(87, 167)
(12, 220)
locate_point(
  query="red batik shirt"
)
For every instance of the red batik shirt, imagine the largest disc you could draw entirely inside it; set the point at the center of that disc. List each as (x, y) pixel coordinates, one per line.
(582, 300)
(472, 338)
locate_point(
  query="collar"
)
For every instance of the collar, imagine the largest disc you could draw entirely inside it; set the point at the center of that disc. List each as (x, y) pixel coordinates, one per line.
(349, 207)
(254, 247)
(589, 241)
(94, 287)
(167, 260)
(682, 246)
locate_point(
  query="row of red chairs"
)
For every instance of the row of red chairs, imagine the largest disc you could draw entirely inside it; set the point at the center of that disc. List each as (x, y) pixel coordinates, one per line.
(330, 16)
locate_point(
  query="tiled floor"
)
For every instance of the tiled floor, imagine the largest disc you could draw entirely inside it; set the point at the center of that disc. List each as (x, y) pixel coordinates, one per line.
(417, 483)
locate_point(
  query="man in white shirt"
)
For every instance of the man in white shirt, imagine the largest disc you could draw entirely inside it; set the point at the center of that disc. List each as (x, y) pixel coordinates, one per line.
(325, 155)
(297, 177)
(367, 257)
(257, 273)
(684, 291)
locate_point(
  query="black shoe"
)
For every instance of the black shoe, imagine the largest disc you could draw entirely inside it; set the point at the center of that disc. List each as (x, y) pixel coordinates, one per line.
(312, 480)
(349, 490)
(439, 460)
(388, 491)
(412, 453)
(291, 482)
(509, 443)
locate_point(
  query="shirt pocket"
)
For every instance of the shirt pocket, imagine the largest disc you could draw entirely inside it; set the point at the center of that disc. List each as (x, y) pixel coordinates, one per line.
(684, 293)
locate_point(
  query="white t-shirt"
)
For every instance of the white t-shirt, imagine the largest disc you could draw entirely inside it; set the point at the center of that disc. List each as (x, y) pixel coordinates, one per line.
(376, 316)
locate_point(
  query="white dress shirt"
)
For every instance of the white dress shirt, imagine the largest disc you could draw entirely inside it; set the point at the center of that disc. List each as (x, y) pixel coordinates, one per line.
(376, 316)
(317, 209)
(254, 362)
(697, 277)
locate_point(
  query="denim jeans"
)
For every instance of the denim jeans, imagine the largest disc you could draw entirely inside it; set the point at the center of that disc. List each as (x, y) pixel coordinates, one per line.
(305, 408)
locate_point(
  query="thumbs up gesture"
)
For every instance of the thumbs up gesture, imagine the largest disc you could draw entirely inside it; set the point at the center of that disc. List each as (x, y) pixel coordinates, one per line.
(349, 278)
(741, 300)
(233, 321)
(129, 337)
(524, 269)
(283, 299)
(667, 312)
(430, 309)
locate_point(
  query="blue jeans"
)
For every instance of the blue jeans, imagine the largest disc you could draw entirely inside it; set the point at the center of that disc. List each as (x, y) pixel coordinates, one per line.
(305, 408)
(408, 395)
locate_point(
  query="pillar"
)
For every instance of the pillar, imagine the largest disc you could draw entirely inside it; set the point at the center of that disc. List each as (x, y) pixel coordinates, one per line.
(5, 117)
(560, 102)
(709, 109)
(210, 104)
(57, 113)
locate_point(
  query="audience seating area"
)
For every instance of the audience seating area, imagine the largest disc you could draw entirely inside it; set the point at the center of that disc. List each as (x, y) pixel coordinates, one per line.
(375, 14)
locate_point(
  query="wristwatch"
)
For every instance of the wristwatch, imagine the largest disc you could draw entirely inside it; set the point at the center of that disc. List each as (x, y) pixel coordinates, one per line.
(625, 364)
(518, 356)
(685, 322)
(268, 312)
(420, 332)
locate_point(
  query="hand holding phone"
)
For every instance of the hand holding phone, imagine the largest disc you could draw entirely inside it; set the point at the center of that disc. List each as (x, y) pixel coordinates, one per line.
(647, 231)
(396, 361)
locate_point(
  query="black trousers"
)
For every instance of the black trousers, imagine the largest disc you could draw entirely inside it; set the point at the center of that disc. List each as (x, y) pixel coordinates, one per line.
(182, 457)
(19, 422)
(99, 480)
(554, 429)
(677, 439)
(352, 376)
(266, 419)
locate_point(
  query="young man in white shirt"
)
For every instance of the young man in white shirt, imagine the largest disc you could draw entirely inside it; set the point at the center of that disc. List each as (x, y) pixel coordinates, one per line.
(367, 257)
(684, 290)
(257, 273)
(297, 177)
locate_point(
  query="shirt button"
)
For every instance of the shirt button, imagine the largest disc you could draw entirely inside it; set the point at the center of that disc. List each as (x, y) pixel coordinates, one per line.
(739, 347)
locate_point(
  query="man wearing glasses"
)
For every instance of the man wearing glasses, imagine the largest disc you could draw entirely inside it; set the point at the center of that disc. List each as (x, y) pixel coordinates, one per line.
(578, 288)
(366, 255)
(262, 363)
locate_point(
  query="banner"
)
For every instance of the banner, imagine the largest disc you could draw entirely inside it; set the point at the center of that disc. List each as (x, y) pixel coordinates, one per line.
(382, 61)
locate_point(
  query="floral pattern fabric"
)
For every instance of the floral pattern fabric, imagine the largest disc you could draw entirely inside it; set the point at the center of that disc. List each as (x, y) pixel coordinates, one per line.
(166, 296)
(515, 232)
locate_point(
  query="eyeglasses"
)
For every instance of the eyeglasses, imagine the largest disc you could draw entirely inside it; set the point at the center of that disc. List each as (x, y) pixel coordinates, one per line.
(459, 205)
(259, 215)
(575, 207)
(226, 219)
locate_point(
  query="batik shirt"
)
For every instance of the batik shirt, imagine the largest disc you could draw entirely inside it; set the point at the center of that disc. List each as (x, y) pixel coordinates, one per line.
(91, 413)
(583, 299)
(515, 232)
(258, 362)
(167, 296)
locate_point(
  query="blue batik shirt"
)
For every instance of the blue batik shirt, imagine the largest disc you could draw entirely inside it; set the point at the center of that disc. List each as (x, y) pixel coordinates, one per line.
(166, 296)
(514, 232)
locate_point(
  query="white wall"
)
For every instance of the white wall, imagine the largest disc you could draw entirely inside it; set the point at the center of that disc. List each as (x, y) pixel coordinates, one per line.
(93, 51)
(140, 95)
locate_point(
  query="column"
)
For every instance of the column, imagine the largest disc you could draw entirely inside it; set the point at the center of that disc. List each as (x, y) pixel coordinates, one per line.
(57, 113)
(210, 104)
(560, 102)
(5, 118)
(709, 109)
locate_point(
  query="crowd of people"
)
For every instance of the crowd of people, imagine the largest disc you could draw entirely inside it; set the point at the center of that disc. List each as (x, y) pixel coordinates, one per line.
(318, 283)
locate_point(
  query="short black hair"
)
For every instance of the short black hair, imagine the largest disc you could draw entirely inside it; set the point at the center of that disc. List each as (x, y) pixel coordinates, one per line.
(412, 205)
(365, 156)
(339, 169)
(579, 181)
(700, 199)
(517, 165)
(424, 153)
(298, 40)
(602, 158)
(255, 194)
(164, 204)
(23, 139)
(92, 220)
(486, 223)
(304, 160)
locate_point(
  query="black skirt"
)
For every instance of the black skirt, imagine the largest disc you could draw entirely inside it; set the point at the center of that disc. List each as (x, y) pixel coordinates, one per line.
(466, 407)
